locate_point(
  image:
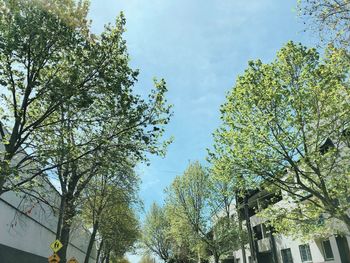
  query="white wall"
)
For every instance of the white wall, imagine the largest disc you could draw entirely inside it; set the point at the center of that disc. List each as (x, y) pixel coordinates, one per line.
(316, 249)
(34, 230)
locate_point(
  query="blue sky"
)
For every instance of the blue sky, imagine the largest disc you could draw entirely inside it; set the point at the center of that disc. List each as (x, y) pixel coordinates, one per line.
(199, 47)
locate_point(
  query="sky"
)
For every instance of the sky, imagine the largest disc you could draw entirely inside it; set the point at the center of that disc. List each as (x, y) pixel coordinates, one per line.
(199, 47)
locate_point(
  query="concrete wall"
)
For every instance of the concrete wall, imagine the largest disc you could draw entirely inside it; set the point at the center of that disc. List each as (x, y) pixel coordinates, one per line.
(28, 227)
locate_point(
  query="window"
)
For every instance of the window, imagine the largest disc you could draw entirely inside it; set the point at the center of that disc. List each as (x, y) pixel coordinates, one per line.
(286, 255)
(305, 253)
(327, 250)
(258, 232)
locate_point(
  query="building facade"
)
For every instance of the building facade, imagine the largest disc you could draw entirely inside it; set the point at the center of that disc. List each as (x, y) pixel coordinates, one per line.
(28, 224)
(271, 248)
(28, 227)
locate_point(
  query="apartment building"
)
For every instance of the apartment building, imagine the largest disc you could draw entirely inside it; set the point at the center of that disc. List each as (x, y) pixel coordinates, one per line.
(266, 247)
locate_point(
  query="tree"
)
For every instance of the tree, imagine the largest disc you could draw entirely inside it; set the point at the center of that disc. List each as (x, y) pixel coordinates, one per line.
(166, 235)
(98, 129)
(119, 230)
(155, 234)
(123, 260)
(222, 184)
(68, 106)
(189, 195)
(109, 125)
(106, 194)
(331, 18)
(39, 71)
(116, 143)
(224, 187)
(184, 246)
(285, 124)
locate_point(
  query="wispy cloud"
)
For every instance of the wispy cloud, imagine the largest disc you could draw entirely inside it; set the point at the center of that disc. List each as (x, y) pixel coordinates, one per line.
(199, 47)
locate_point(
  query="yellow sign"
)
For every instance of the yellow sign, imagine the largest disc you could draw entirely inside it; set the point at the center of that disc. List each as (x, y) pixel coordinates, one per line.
(56, 245)
(54, 258)
(73, 260)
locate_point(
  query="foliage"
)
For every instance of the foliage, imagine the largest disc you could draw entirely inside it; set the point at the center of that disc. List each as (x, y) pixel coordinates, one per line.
(147, 259)
(155, 236)
(285, 124)
(106, 194)
(222, 183)
(123, 260)
(331, 18)
(193, 214)
(68, 105)
(186, 199)
(119, 231)
(39, 71)
(185, 247)
(225, 186)
(168, 236)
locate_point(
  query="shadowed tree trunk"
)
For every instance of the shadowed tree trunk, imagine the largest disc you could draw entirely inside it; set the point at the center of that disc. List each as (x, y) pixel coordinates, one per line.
(242, 241)
(91, 242)
(5, 171)
(216, 258)
(67, 221)
(99, 252)
(60, 216)
(240, 229)
(249, 229)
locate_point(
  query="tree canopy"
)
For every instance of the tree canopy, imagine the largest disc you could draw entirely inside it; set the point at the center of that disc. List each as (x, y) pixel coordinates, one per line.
(68, 107)
(285, 125)
(329, 18)
(155, 235)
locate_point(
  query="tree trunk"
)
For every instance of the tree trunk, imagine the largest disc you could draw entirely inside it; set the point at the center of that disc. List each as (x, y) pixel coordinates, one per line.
(66, 227)
(60, 217)
(5, 171)
(273, 246)
(216, 258)
(108, 256)
(91, 242)
(249, 229)
(240, 227)
(99, 252)
(3, 174)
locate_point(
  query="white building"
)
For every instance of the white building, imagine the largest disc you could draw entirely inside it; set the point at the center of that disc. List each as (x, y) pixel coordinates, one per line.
(281, 249)
(28, 227)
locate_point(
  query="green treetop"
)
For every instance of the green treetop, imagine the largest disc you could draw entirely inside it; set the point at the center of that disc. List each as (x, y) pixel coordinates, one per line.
(286, 123)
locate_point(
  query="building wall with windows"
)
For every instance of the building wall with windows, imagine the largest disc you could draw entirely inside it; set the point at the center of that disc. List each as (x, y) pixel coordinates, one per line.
(296, 251)
(269, 248)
